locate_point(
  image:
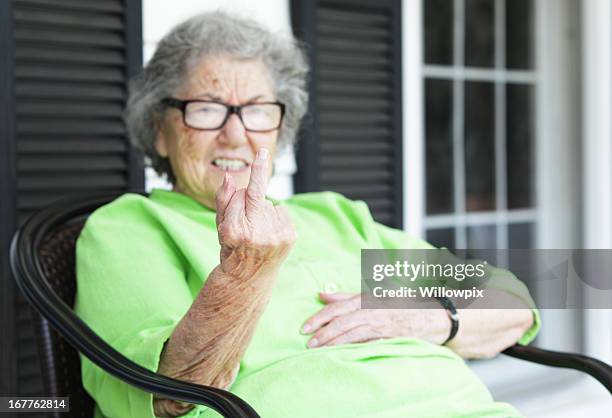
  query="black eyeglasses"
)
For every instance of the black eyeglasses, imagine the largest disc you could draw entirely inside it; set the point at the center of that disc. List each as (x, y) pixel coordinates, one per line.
(207, 115)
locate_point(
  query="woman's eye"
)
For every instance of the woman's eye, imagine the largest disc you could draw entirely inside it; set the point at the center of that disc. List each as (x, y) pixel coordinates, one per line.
(208, 109)
(256, 111)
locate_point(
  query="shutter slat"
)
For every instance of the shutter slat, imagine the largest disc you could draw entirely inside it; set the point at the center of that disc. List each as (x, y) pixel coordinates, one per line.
(357, 162)
(69, 109)
(352, 146)
(63, 91)
(353, 31)
(340, 177)
(386, 218)
(67, 19)
(348, 46)
(79, 145)
(60, 127)
(69, 37)
(99, 182)
(364, 190)
(357, 119)
(342, 60)
(344, 16)
(349, 132)
(59, 72)
(380, 205)
(345, 104)
(59, 164)
(362, 76)
(29, 202)
(329, 90)
(114, 6)
(75, 55)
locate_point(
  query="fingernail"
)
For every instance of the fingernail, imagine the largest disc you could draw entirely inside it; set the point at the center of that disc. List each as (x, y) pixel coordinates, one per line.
(306, 329)
(313, 343)
(225, 179)
(262, 154)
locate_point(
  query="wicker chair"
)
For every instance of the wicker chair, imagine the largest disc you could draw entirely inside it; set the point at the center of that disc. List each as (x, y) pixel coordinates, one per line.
(43, 263)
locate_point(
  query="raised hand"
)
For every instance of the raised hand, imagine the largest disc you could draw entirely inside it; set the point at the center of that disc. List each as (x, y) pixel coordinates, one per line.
(255, 235)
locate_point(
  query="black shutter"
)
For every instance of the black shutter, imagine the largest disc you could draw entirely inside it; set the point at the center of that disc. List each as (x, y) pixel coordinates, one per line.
(352, 138)
(65, 64)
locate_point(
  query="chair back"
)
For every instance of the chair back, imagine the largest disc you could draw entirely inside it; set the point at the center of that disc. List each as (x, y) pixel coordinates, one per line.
(54, 254)
(60, 362)
(43, 265)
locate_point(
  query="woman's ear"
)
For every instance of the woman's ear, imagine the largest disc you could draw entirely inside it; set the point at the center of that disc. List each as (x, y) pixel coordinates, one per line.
(161, 145)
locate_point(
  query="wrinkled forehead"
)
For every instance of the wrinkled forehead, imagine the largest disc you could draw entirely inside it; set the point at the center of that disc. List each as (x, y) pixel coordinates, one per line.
(227, 79)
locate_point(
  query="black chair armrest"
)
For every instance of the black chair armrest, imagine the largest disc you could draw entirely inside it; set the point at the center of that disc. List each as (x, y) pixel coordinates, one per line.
(596, 368)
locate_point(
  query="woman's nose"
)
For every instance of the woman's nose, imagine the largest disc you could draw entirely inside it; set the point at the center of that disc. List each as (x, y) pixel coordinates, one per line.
(233, 132)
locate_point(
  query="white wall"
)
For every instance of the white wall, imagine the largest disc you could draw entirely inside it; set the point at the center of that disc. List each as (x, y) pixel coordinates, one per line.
(412, 108)
(159, 18)
(597, 154)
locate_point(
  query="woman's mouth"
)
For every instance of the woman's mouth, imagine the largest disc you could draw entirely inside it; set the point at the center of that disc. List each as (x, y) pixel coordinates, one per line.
(229, 164)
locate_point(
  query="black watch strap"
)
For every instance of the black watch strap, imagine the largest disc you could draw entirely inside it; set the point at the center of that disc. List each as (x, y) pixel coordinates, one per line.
(449, 306)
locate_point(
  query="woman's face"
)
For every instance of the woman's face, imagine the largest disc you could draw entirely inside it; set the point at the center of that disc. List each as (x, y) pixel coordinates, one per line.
(193, 153)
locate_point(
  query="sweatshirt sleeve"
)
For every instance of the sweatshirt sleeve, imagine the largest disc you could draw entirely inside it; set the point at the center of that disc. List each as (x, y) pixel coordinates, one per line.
(501, 279)
(132, 291)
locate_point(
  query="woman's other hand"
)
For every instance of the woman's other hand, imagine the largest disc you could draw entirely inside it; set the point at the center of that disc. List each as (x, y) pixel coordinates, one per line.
(254, 234)
(342, 321)
(483, 333)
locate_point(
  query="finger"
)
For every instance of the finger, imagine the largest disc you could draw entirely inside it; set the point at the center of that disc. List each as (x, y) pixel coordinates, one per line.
(234, 212)
(258, 182)
(223, 196)
(335, 328)
(328, 313)
(359, 334)
(335, 297)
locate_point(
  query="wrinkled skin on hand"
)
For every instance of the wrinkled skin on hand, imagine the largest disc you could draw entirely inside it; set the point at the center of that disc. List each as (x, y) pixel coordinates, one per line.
(253, 233)
(342, 321)
(483, 332)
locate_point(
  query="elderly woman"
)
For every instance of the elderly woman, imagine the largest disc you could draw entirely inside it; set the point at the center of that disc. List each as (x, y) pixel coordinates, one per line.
(216, 284)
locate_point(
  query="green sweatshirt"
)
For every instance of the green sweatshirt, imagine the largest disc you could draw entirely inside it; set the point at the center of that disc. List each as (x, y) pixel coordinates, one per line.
(142, 261)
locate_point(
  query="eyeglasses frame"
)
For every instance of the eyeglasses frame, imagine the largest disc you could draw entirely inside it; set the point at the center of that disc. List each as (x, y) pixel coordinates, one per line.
(182, 106)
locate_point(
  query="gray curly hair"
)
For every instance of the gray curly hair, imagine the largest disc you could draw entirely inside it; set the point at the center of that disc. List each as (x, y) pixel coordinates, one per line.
(206, 35)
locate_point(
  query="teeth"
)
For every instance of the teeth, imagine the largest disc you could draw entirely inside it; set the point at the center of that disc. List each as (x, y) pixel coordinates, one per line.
(229, 164)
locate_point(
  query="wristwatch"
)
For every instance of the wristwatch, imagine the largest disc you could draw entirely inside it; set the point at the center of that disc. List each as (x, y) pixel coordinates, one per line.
(449, 306)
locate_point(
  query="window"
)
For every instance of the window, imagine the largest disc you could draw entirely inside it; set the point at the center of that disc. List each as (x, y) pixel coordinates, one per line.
(480, 80)
(500, 129)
